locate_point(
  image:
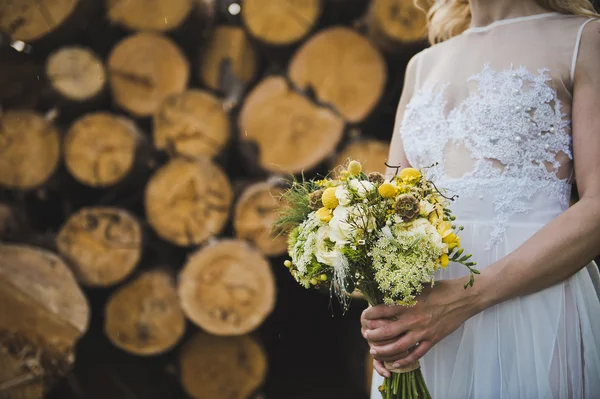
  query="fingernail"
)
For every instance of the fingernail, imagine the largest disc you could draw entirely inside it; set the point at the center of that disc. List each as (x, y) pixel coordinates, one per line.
(373, 351)
(396, 365)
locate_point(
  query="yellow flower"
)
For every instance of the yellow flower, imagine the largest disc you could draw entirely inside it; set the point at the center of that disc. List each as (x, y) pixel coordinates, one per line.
(454, 244)
(329, 199)
(445, 229)
(410, 175)
(444, 260)
(324, 214)
(287, 264)
(451, 237)
(354, 168)
(387, 190)
(433, 218)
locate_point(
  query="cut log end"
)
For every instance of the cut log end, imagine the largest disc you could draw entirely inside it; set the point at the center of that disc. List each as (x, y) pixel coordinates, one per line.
(44, 313)
(191, 124)
(100, 149)
(103, 245)
(372, 154)
(188, 201)
(228, 44)
(280, 23)
(227, 288)
(156, 15)
(344, 69)
(393, 24)
(255, 212)
(292, 134)
(144, 317)
(144, 69)
(76, 73)
(31, 20)
(222, 367)
(29, 149)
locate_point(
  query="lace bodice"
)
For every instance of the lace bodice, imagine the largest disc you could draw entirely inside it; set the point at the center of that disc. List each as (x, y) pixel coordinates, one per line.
(497, 128)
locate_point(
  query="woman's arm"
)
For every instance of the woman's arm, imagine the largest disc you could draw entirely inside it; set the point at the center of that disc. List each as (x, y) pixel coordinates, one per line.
(552, 255)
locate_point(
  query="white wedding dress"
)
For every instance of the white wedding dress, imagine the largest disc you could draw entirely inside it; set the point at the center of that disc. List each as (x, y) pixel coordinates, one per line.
(492, 107)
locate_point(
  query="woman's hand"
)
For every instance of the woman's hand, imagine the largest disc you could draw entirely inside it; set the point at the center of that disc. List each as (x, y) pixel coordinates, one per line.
(402, 335)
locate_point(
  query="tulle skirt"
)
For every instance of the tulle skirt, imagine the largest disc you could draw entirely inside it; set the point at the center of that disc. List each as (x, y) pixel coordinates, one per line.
(544, 345)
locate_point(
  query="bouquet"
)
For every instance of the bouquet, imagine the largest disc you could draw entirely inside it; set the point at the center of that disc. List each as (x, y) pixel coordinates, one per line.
(383, 238)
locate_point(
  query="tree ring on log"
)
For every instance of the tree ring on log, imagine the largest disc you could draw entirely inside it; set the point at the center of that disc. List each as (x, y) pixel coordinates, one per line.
(227, 288)
(372, 154)
(156, 15)
(103, 245)
(393, 24)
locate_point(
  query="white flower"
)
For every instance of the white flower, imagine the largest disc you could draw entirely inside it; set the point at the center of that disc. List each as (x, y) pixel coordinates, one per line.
(362, 187)
(322, 253)
(342, 195)
(425, 207)
(341, 232)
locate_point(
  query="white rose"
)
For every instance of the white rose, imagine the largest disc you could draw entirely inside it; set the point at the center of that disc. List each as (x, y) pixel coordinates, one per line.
(341, 232)
(425, 207)
(324, 255)
(342, 195)
(362, 187)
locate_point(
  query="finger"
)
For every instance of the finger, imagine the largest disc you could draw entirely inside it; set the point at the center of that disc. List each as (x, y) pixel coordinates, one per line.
(382, 312)
(387, 332)
(414, 355)
(398, 348)
(374, 324)
(381, 370)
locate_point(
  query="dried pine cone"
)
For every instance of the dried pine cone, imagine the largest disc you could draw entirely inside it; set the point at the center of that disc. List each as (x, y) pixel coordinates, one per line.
(314, 199)
(376, 178)
(407, 207)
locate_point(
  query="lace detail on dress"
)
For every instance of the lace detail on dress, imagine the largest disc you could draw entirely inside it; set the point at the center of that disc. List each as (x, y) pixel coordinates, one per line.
(512, 126)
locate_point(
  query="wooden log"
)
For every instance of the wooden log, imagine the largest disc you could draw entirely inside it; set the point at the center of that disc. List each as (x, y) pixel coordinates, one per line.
(76, 74)
(222, 367)
(280, 23)
(188, 201)
(227, 288)
(144, 69)
(155, 16)
(191, 124)
(44, 313)
(227, 44)
(255, 212)
(292, 133)
(103, 245)
(31, 20)
(29, 149)
(144, 317)
(102, 149)
(394, 24)
(344, 69)
(372, 154)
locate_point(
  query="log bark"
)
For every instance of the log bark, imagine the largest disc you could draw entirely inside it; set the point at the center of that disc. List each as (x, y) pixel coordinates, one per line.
(142, 15)
(76, 74)
(372, 154)
(255, 212)
(227, 288)
(292, 133)
(102, 149)
(103, 245)
(44, 313)
(144, 69)
(227, 44)
(394, 24)
(29, 149)
(280, 23)
(222, 367)
(188, 201)
(191, 124)
(144, 317)
(344, 69)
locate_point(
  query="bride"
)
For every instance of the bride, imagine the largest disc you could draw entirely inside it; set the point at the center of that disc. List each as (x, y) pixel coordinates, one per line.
(507, 103)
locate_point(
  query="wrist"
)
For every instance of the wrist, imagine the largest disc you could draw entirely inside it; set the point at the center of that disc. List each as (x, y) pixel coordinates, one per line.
(482, 293)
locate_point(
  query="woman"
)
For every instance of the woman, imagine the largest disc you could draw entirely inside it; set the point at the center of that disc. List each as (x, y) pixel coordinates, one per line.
(508, 106)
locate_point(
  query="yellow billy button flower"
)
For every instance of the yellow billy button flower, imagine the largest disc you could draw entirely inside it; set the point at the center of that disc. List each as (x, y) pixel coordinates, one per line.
(329, 199)
(410, 175)
(354, 168)
(444, 260)
(387, 190)
(323, 277)
(324, 214)
(314, 281)
(287, 264)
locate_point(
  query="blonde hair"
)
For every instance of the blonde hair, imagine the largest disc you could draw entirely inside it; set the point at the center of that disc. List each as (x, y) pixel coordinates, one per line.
(448, 18)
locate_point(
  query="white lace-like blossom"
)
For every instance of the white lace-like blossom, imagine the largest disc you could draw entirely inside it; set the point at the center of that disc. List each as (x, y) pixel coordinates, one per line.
(514, 120)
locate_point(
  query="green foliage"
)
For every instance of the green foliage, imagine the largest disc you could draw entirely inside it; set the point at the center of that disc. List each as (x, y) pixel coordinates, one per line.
(295, 205)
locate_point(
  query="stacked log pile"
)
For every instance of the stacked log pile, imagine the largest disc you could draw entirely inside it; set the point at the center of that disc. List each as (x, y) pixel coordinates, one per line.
(143, 147)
